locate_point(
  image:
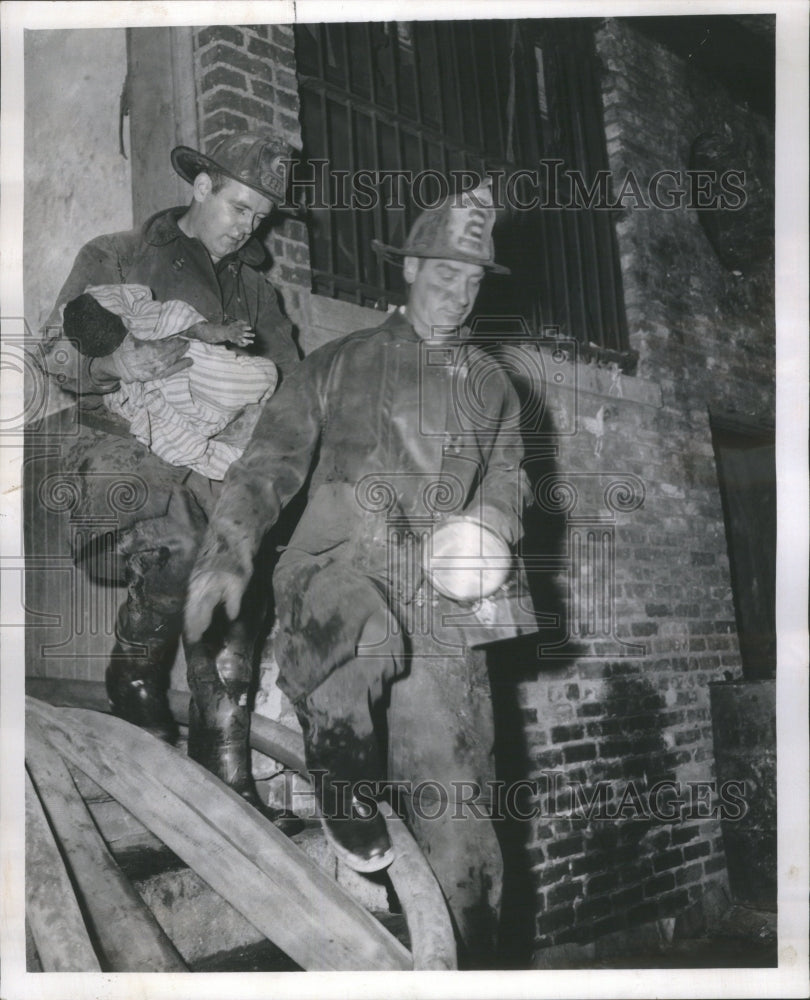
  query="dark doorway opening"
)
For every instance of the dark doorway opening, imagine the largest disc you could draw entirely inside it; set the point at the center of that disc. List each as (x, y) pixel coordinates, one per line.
(746, 470)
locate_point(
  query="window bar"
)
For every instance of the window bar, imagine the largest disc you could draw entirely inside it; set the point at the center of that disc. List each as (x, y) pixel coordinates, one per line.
(600, 306)
(396, 119)
(416, 78)
(591, 139)
(379, 211)
(477, 88)
(580, 293)
(352, 166)
(372, 79)
(344, 44)
(418, 101)
(431, 25)
(459, 113)
(353, 215)
(500, 106)
(443, 144)
(322, 50)
(588, 221)
(613, 315)
(395, 67)
(327, 218)
(562, 300)
(562, 216)
(544, 301)
(589, 270)
(400, 148)
(565, 271)
(325, 195)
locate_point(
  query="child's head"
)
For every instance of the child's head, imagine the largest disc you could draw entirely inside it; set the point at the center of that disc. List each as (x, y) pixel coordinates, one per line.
(95, 330)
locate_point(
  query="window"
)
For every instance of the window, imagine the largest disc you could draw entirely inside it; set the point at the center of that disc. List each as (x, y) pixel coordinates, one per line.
(445, 96)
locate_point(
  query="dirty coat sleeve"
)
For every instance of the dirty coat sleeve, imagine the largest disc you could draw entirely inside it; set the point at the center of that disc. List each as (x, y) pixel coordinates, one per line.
(272, 469)
(504, 490)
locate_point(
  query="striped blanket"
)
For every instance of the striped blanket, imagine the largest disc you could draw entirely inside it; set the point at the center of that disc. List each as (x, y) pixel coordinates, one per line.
(179, 417)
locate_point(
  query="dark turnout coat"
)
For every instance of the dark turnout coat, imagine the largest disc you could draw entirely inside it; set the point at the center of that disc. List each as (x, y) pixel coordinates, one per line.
(390, 435)
(170, 503)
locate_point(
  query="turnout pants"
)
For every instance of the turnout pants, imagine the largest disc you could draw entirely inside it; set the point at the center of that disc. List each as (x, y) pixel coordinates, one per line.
(348, 662)
(155, 532)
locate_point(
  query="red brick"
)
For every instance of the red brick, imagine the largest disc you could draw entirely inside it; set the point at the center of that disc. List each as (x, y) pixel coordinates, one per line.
(565, 734)
(221, 76)
(286, 100)
(669, 859)
(699, 850)
(683, 834)
(593, 909)
(263, 90)
(252, 108)
(578, 752)
(554, 920)
(565, 892)
(224, 121)
(564, 848)
(219, 33)
(660, 884)
(604, 882)
(287, 80)
(227, 55)
(692, 873)
(714, 865)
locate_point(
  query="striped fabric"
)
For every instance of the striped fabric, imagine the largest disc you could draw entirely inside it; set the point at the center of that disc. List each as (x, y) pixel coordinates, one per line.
(178, 417)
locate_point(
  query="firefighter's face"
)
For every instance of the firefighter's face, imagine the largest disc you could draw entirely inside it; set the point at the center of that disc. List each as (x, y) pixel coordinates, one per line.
(441, 294)
(225, 219)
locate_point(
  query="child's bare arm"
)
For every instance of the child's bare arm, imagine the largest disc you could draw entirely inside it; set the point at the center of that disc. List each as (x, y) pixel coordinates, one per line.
(238, 332)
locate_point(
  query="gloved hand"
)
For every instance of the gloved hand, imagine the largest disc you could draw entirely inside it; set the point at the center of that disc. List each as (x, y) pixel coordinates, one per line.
(209, 586)
(142, 360)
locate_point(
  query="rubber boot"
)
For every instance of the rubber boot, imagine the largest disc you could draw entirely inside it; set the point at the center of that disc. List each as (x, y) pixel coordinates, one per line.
(345, 768)
(219, 719)
(345, 762)
(137, 677)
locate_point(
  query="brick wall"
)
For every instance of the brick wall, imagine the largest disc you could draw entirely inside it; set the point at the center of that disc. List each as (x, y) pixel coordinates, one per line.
(705, 338)
(245, 78)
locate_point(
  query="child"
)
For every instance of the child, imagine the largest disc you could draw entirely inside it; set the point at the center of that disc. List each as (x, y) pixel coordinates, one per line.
(178, 417)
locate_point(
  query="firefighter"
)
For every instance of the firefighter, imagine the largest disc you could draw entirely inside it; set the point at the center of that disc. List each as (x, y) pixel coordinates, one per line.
(406, 438)
(206, 255)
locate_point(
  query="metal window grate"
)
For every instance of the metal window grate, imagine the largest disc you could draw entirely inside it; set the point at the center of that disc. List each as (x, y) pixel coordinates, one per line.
(453, 95)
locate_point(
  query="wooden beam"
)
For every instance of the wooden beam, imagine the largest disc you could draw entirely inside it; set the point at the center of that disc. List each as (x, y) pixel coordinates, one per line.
(51, 908)
(241, 855)
(432, 941)
(128, 936)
